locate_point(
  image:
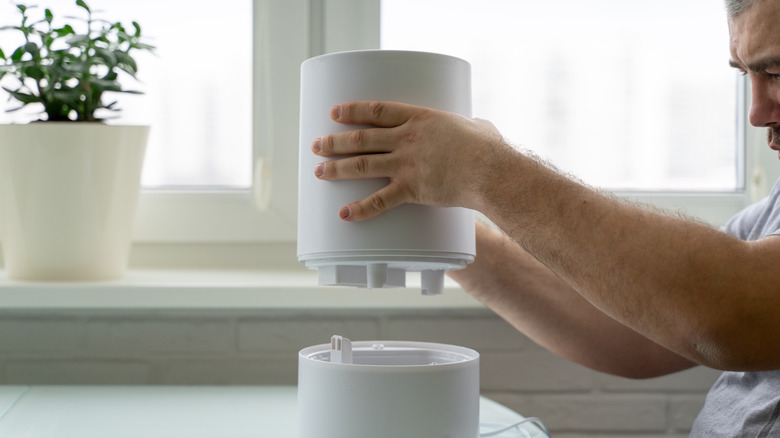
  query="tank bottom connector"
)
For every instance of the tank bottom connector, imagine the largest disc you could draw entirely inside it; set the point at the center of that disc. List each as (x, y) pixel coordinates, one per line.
(378, 276)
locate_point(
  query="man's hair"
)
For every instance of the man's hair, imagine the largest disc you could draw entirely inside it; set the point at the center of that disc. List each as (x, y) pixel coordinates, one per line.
(736, 7)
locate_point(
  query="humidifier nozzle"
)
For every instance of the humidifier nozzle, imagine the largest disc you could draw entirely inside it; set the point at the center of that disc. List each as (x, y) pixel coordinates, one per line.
(340, 350)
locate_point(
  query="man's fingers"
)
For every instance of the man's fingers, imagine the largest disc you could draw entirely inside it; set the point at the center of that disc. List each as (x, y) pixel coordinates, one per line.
(371, 152)
(382, 114)
(360, 166)
(386, 198)
(361, 141)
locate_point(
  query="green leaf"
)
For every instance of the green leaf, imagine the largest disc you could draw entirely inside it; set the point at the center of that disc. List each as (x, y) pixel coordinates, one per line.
(72, 69)
(10, 110)
(66, 95)
(143, 46)
(83, 5)
(123, 37)
(17, 55)
(64, 30)
(33, 50)
(80, 68)
(34, 72)
(128, 70)
(24, 98)
(126, 62)
(106, 55)
(110, 76)
(60, 67)
(106, 85)
(77, 40)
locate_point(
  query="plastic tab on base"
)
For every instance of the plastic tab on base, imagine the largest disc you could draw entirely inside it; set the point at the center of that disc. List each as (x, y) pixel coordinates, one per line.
(373, 276)
(432, 282)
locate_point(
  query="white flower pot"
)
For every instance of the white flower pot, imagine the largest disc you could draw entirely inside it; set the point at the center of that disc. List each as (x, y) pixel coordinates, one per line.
(68, 194)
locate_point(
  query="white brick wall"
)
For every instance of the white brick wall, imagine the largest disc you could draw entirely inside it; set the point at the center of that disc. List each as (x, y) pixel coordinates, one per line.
(260, 347)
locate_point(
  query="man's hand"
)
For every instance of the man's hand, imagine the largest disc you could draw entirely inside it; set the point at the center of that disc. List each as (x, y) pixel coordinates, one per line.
(431, 157)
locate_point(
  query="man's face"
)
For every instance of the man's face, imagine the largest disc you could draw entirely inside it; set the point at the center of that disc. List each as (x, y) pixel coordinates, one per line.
(755, 50)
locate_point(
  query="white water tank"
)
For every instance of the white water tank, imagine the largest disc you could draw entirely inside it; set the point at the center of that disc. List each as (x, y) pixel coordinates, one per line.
(378, 252)
(387, 389)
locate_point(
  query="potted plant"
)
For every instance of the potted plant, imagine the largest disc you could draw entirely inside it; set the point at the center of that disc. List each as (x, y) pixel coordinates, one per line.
(69, 182)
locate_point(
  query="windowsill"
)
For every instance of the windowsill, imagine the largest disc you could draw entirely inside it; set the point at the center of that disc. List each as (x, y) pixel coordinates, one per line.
(219, 289)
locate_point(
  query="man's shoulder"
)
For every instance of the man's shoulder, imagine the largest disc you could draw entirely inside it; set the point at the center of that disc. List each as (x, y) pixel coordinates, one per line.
(740, 404)
(758, 220)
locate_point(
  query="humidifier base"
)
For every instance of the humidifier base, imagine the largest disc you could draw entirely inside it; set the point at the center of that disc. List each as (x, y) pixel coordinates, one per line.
(384, 270)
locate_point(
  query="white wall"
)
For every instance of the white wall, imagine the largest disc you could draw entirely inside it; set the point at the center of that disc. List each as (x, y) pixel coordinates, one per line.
(259, 347)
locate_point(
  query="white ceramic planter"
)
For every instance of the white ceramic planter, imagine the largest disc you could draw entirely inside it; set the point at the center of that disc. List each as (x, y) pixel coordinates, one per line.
(68, 194)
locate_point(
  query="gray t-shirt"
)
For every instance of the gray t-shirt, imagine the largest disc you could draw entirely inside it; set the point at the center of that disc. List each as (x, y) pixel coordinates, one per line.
(746, 404)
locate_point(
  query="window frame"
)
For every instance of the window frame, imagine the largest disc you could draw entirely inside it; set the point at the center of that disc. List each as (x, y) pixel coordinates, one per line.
(267, 212)
(284, 35)
(300, 29)
(218, 235)
(287, 33)
(758, 168)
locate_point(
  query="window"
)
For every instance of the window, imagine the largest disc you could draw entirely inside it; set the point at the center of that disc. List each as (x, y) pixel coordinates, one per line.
(198, 92)
(197, 87)
(250, 222)
(621, 94)
(222, 103)
(252, 200)
(682, 143)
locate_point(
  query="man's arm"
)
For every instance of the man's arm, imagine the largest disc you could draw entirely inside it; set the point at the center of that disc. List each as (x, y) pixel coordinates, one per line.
(542, 306)
(694, 290)
(701, 293)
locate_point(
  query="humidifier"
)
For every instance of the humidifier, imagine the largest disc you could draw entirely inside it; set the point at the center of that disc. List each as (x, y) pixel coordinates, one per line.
(378, 252)
(387, 389)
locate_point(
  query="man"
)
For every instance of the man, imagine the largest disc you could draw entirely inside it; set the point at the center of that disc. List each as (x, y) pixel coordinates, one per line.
(599, 281)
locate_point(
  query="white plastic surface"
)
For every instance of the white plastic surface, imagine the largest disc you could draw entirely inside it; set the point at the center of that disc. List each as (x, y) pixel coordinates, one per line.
(94, 411)
(9, 396)
(407, 238)
(391, 389)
